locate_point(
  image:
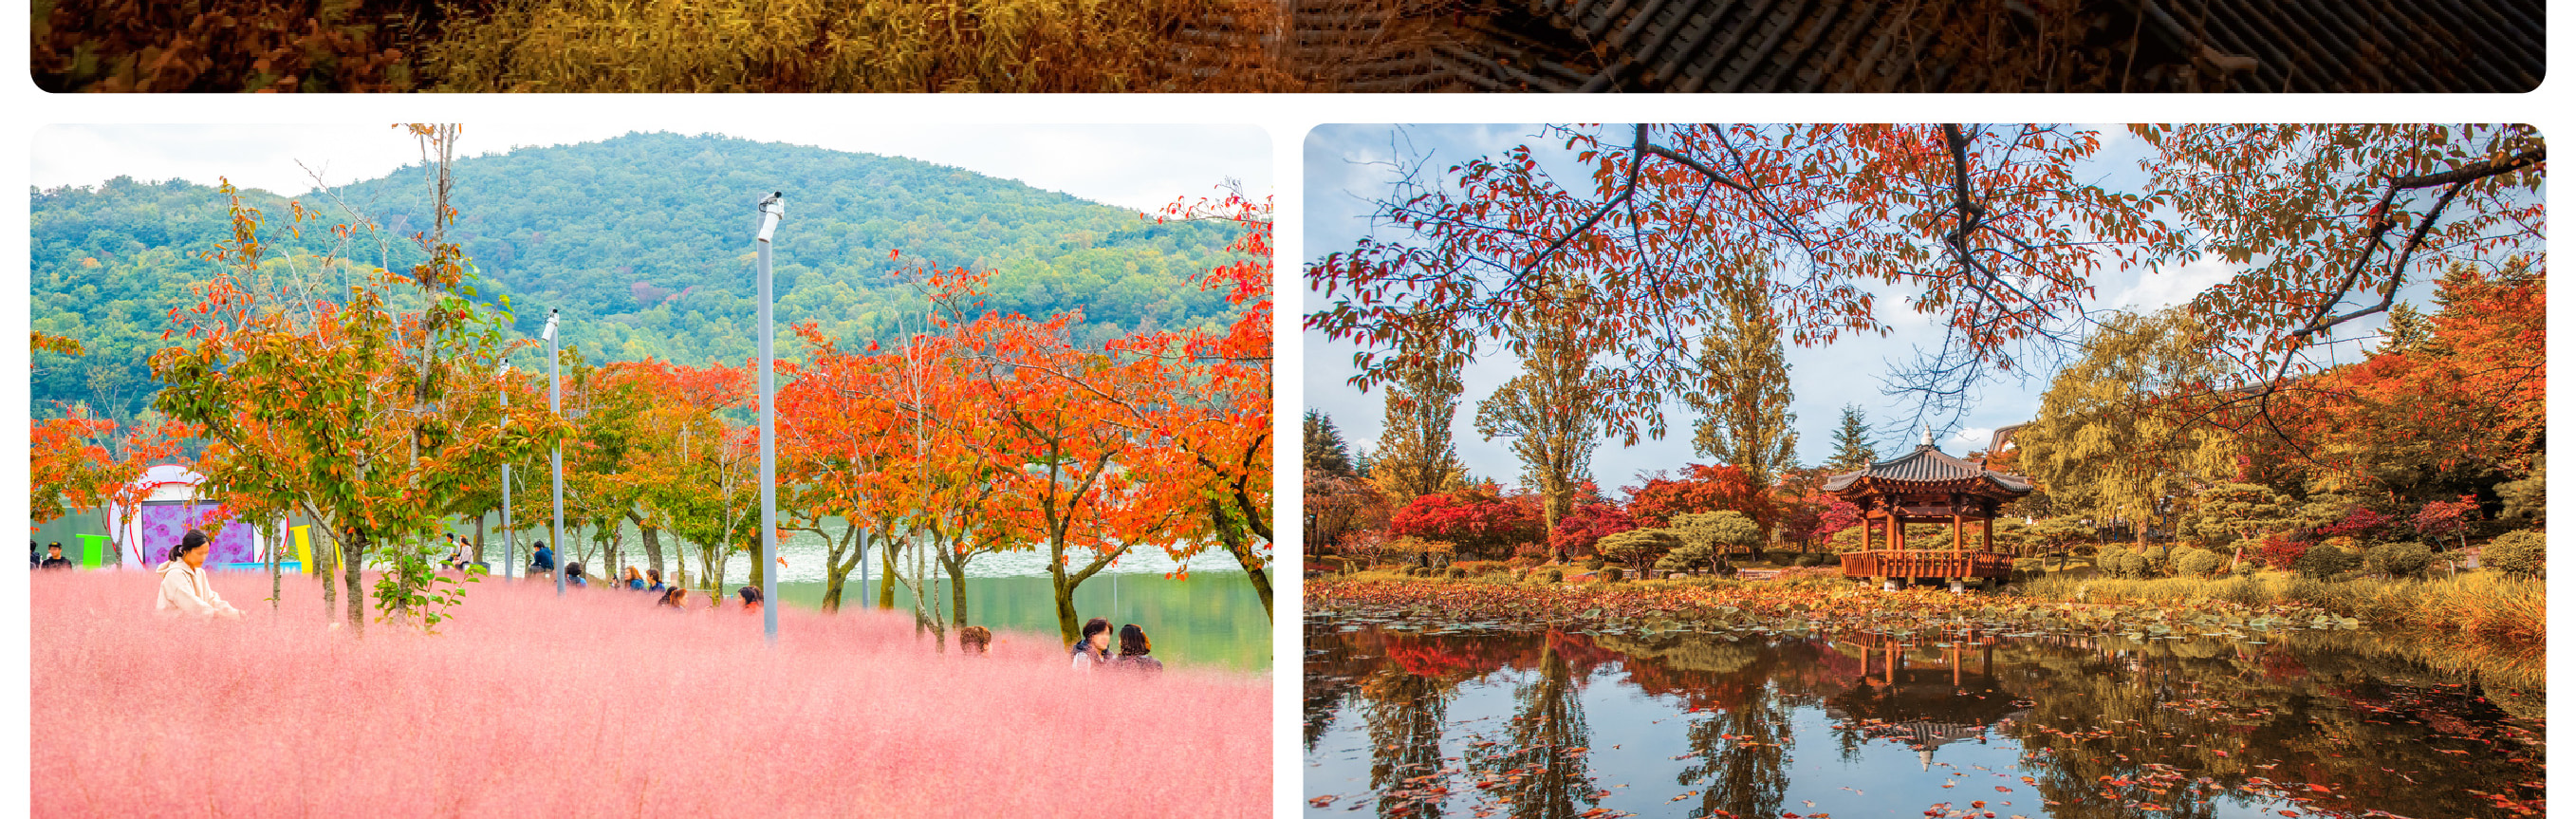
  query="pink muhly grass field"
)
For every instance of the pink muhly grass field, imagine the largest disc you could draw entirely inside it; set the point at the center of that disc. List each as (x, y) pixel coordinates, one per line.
(600, 704)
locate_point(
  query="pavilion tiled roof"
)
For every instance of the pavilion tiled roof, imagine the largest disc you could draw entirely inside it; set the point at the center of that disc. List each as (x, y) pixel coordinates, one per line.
(1807, 46)
(1927, 464)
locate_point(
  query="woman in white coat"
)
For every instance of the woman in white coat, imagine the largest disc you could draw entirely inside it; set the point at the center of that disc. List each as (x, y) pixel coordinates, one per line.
(184, 589)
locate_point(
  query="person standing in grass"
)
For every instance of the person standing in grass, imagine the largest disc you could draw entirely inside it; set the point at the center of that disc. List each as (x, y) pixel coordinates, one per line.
(1092, 651)
(573, 576)
(675, 597)
(543, 562)
(974, 640)
(654, 575)
(54, 557)
(634, 579)
(184, 589)
(1132, 651)
(750, 599)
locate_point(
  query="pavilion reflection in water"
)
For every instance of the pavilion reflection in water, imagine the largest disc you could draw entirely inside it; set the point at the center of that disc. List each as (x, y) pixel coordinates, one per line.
(1928, 702)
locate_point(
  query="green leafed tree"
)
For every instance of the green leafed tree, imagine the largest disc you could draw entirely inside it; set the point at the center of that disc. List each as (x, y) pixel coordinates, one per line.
(1743, 391)
(1852, 447)
(1552, 410)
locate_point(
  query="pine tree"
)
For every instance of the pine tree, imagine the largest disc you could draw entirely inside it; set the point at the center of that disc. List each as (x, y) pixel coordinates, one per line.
(1852, 448)
(1326, 452)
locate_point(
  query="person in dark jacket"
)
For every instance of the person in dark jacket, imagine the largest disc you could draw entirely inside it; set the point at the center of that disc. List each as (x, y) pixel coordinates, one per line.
(654, 575)
(634, 579)
(543, 562)
(1132, 651)
(1092, 651)
(54, 557)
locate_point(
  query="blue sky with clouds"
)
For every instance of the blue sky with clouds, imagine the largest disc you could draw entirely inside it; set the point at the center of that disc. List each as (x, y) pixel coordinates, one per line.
(1347, 165)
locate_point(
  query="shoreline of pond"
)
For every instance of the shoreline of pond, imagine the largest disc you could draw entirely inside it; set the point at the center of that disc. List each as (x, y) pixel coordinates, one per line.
(1757, 609)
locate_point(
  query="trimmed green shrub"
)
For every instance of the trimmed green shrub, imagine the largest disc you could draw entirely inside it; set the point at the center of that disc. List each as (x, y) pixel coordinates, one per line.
(1813, 559)
(1556, 575)
(1610, 574)
(2520, 553)
(2398, 559)
(1596, 563)
(2192, 562)
(2323, 561)
(1456, 573)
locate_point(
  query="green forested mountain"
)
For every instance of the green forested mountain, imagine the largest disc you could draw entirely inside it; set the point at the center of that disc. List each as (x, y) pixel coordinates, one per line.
(644, 242)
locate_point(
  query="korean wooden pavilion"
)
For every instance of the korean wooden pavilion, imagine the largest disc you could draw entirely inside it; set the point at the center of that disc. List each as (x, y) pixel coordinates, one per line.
(1926, 486)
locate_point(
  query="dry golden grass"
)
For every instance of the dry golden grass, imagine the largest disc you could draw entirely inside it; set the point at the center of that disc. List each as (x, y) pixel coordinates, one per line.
(864, 46)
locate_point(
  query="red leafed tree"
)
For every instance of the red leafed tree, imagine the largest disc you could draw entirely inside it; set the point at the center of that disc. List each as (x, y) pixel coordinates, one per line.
(1575, 535)
(1478, 520)
(93, 462)
(2444, 519)
(1701, 488)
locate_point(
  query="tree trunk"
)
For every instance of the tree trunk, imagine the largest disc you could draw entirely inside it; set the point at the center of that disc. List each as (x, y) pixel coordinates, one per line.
(1241, 547)
(885, 583)
(478, 538)
(652, 546)
(1066, 623)
(353, 553)
(836, 570)
(276, 583)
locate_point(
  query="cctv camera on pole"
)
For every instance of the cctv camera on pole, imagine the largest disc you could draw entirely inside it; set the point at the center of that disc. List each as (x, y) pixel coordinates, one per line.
(554, 403)
(772, 209)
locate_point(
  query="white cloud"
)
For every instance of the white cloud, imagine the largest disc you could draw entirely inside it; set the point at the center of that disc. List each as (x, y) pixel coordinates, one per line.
(2164, 287)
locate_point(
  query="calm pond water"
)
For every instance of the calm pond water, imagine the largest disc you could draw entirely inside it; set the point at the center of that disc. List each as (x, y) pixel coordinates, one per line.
(1553, 724)
(1212, 619)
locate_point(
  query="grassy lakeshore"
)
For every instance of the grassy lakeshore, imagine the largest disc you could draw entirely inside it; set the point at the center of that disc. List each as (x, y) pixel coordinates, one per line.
(2502, 616)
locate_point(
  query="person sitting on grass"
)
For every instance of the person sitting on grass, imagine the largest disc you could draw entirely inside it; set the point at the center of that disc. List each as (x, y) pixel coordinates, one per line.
(634, 579)
(750, 599)
(974, 640)
(184, 590)
(573, 577)
(675, 597)
(1092, 650)
(1132, 648)
(54, 557)
(654, 575)
(543, 562)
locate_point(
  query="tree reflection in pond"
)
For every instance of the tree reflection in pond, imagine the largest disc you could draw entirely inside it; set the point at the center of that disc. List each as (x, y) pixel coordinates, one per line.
(1549, 724)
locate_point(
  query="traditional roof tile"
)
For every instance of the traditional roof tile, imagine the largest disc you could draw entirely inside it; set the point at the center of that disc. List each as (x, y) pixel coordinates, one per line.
(1927, 464)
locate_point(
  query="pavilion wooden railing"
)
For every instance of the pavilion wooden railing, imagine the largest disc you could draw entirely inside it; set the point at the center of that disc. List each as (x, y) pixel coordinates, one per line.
(1926, 563)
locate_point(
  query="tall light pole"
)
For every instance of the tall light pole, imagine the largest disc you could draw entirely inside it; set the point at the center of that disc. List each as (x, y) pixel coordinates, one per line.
(772, 209)
(554, 403)
(509, 536)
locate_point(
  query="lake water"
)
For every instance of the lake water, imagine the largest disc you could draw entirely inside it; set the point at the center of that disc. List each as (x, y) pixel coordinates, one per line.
(1404, 723)
(1211, 619)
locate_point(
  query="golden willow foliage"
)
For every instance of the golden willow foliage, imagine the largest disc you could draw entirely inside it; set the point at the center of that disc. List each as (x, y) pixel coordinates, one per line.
(1743, 391)
(1415, 456)
(2110, 441)
(1552, 411)
(863, 46)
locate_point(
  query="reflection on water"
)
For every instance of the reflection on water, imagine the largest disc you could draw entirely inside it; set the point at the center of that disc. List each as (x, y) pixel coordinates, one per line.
(1551, 724)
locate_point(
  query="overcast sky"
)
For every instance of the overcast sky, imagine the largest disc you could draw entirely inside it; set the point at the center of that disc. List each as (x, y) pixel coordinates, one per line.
(1138, 166)
(1347, 165)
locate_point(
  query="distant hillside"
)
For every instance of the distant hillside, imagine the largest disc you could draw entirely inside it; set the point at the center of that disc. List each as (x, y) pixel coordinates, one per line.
(643, 241)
